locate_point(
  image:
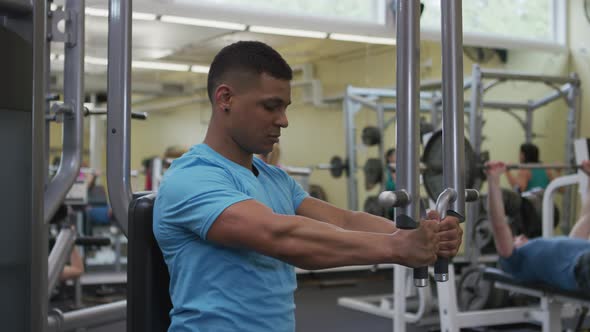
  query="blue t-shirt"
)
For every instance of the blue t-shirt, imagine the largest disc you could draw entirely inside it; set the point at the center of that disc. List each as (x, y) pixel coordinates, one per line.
(212, 287)
(547, 260)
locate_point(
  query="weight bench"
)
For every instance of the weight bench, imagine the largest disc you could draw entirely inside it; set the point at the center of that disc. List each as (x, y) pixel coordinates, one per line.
(549, 312)
(148, 300)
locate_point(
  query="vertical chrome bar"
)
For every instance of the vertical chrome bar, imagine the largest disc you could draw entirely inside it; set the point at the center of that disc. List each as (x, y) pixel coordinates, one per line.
(119, 110)
(73, 124)
(58, 256)
(350, 110)
(434, 110)
(381, 125)
(36, 295)
(453, 126)
(528, 125)
(97, 136)
(475, 129)
(573, 128)
(474, 109)
(408, 128)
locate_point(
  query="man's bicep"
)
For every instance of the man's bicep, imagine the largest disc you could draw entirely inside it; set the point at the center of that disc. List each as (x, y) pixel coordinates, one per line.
(195, 203)
(247, 224)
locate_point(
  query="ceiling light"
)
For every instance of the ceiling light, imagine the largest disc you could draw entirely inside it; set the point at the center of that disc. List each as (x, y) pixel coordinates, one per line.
(142, 64)
(288, 32)
(96, 12)
(200, 69)
(362, 39)
(160, 65)
(203, 23)
(143, 16)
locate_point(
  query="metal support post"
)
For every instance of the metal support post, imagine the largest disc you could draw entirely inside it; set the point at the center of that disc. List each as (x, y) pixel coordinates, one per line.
(408, 138)
(119, 110)
(528, 125)
(568, 205)
(73, 124)
(453, 127)
(350, 110)
(475, 129)
(381, 125)
(58, 256)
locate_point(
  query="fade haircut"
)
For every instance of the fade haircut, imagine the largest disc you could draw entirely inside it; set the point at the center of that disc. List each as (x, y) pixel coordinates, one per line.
(246, 57)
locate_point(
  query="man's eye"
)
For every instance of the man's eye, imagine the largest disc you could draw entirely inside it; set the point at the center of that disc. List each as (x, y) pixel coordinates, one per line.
(269, 107)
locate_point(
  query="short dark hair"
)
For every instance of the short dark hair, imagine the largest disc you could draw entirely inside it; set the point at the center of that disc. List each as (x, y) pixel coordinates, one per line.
(249, 57)
(389, 153)
(530, 152)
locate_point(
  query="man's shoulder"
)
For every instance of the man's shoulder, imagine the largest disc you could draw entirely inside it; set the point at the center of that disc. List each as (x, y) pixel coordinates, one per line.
(197, 158)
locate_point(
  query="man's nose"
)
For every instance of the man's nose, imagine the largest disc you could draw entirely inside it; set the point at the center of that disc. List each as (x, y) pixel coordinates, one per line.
(282, 120)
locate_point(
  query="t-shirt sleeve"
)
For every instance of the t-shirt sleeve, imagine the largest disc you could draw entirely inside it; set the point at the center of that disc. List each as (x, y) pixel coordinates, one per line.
(297, 193)
(193, 200)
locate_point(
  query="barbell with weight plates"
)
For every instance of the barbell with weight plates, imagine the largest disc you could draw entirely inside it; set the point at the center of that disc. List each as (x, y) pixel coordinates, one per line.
(337, 166)
(476, 293)
(373, 170)
(371, 136)
(431, 167)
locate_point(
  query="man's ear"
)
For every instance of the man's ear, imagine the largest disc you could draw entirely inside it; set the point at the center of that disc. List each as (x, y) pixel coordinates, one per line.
(223, 96)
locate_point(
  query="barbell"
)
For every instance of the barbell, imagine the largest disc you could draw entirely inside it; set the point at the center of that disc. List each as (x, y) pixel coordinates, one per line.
(431, 167)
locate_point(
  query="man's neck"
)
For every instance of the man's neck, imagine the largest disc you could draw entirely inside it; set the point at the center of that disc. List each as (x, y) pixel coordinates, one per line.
(228, 148)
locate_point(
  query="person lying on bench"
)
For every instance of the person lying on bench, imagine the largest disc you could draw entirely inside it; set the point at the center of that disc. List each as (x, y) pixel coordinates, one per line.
(562, 262)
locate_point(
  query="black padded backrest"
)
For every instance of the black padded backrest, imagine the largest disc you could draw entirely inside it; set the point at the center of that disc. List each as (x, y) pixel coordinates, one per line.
(148, 300)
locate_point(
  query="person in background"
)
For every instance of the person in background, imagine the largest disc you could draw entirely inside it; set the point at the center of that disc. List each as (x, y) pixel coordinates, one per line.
(562, 262)
(75, 268)
(528, 179)
(171, 153)
(273, 157)
(390, 178)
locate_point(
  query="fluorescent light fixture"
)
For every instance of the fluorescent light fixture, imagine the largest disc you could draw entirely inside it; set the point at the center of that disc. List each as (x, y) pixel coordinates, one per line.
(95, 61)
(141, 64)
(96, 12)
(155, 53)
(143, 16)
(200, 69)
(160, 65)
(288, 32)
(203, 23)
(362, 39)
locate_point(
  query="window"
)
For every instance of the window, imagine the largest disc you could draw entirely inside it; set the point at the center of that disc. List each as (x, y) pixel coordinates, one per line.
(516, 19)
(371, 11)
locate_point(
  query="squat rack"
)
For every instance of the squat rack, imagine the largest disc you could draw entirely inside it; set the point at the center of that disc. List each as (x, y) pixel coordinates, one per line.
(567, 88)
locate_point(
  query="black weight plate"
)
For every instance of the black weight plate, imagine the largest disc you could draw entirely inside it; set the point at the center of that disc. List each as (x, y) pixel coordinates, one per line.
(373, 171)
(433, 159)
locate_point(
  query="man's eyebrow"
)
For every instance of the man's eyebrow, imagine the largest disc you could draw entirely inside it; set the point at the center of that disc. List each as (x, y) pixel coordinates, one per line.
(276, 100)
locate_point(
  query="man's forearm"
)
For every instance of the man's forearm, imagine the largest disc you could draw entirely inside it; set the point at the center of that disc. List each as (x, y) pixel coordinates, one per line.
(497, 217)
(366, 222)
(582, 227)
(315, 245)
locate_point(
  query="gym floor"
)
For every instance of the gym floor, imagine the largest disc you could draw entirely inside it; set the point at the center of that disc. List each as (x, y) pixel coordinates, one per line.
(318, 311)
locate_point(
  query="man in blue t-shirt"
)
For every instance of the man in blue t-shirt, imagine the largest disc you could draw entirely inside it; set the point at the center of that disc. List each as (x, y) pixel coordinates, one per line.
(232, 228)
(562, 262)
